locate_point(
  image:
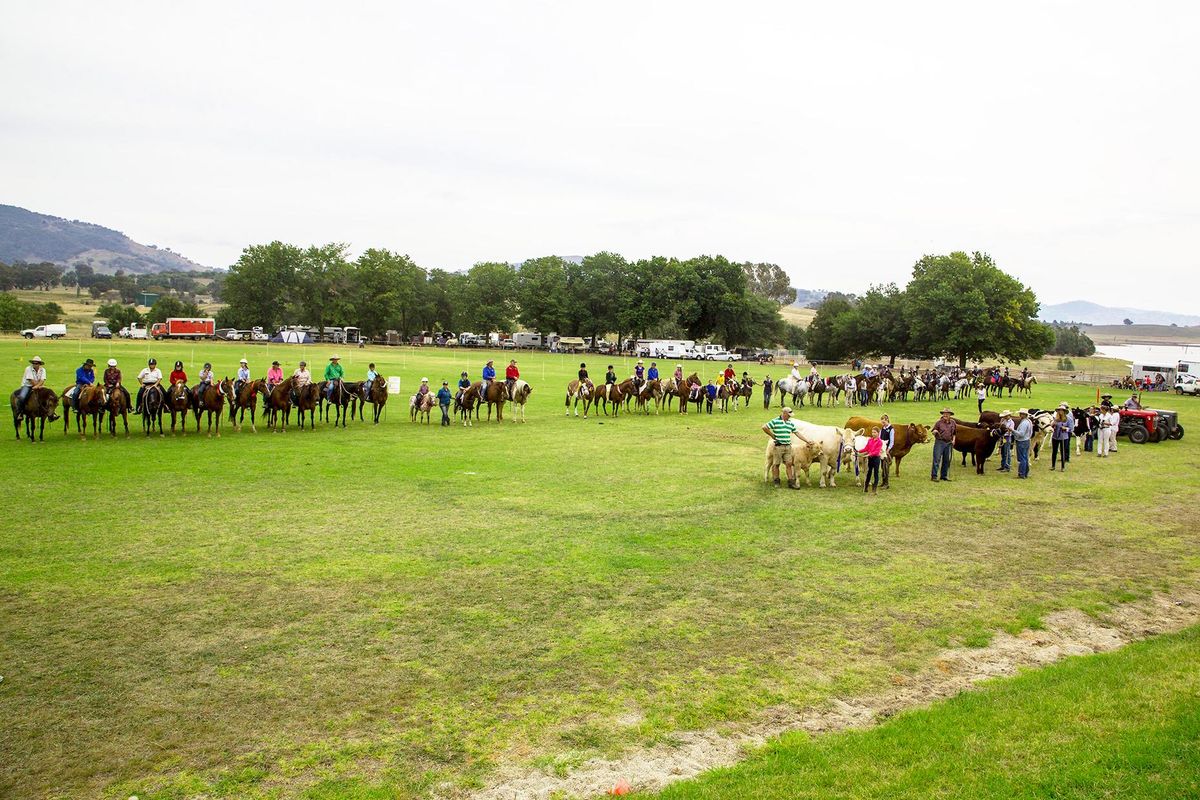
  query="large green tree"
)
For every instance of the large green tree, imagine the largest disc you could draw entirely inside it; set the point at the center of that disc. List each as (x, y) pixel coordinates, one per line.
(832, 335)
(543, 295)
(769, 281)
(965, 307)
(490, 297)
(260, 286)
(171, 306)
(881, 326)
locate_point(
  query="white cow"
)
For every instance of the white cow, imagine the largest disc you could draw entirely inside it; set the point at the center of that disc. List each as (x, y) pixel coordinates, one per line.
(835, 445)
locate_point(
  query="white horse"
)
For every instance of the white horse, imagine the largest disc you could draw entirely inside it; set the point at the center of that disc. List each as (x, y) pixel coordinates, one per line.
(796, 388)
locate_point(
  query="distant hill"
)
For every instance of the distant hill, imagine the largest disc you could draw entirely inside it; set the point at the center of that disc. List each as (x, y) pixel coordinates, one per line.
(1094, 314)
(806, 298)
(33, 238)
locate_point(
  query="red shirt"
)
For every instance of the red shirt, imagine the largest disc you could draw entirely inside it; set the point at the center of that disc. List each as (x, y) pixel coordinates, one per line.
(729, 373)
(511, 372)
(178, 376)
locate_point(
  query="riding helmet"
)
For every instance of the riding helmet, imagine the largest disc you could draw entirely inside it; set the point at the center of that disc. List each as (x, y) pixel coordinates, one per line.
(152, 362)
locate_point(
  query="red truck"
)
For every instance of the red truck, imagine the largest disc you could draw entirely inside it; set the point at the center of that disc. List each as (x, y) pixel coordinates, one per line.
(184, 328)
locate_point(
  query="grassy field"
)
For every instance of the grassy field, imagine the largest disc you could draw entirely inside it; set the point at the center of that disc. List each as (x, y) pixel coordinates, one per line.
(396, 610)
(798, 316)
(1124, 724)
(79, 309)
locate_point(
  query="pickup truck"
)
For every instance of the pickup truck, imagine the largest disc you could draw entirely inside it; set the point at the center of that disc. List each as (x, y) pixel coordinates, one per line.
(56, 331)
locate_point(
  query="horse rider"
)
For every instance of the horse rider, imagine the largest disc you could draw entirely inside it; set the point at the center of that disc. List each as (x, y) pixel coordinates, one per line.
(610, 377)
(84, 376)
(300, 378)
(274, 376)
(423, 390)
(511, 375)
(464, 383)
(639, 376)
(112, 380)
(333, 375)
(243, 377)
(148, 378)
(679, 374)
(178, 376)
(652, 373)
(489, 375)
(34, 378)
(370, 381)
(795, 375)
(205, 379)
(583, 376)
(730, 373)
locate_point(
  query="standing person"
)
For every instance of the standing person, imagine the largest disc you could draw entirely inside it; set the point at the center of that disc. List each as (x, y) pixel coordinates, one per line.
(1090, 426)
(710, 392)
(780, 431)
(274, 376)
(1060, 439)
(767, 386)
(84, 376)
(1066, 455)
(1022, 433)
(511, 375)
(243, 376)
(333, 374)
(489, 375)
(851, 390)
(1006, 439)
(874, 451)
(178, 375)
(981, 395)
(443, 398)
(149, 377)
(944, 432)
(887, 434)
(1110, 423)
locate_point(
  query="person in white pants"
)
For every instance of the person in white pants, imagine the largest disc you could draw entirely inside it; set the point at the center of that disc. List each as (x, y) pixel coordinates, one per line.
(1108, 432)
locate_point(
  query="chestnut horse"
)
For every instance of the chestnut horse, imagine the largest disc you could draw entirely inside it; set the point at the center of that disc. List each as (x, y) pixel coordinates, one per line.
(118, 406)
(650, 391)
(91, 403)
(308, 397)
(246, 400)
(497, 395)
(374, 393)
(466, 403)
(579, 390)
(212, 400)
(41, 404)
(614, 393)
(279, 399)
(179, 401)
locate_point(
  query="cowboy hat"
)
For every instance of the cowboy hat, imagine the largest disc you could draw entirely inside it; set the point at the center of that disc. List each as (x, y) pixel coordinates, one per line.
(36, 360)
(244, 361)
(1006, 413)
(335, 358)
(947, 411)
(1024, 412)
(112, 362)
(1064, 406)
(88, 363)
(424, 380)
(1109, 396)
(274, 363)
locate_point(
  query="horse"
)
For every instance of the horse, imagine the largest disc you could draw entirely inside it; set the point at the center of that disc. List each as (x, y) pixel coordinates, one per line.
(212, 400)
(578, 390)
(420, 405)
(796, 388)
(519, 395)
(246, 398)
(276, 400)
(374, 393)
(340, 399)
(308, 398)
(676, 388)
(118, 406)
(1026, 385)
(91, 403)
(746, 390)
(466, 401)
(647, 392)
(179, 401)
(41, 404)
(496, 395)
(614, 393)
(154, 398)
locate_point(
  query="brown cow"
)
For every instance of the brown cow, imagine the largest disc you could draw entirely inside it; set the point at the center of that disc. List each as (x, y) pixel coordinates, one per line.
(906, 436)
(978, 440)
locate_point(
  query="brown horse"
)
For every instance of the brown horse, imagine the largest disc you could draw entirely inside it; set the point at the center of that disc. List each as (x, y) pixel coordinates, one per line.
(179, 402)
(246, 400)
(374, 393)
(420, 405)
(279, 399)
(118, 406)
(212, 400)
(41, 404)
(308, 398)
(579, 390)
(466, 403)
(496, 395)
(614, 393)
(91, 403)
(650, 391)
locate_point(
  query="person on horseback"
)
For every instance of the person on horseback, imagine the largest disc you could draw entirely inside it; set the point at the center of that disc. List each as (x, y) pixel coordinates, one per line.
(583, 374)
(84, 376)
(205, 379)
(652, 373)
(274, 376)
(243, 376)
(300, 378)
(333, 374)
(177, 374)
(610, 377)
(370, 381)
(464, 383)
(424, 390)
(489, 375)
(639, 376)
(679, 373)
(148, 378)
(511, 374)
(730, 373)
(112, 380)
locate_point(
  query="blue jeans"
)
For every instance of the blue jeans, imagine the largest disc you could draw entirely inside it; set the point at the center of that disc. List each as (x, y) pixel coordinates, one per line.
(1022, 459)
(22, 396)
(942, 455)
(1006, 455)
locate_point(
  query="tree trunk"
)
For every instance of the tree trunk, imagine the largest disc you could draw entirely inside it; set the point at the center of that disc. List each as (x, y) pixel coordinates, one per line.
(892, 362)
(962, 360)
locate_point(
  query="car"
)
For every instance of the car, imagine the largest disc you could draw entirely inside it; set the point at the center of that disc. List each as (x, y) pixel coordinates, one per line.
(102, 332)
(228, 334)
(1143, 425)
(508, 344)
(1187, 384)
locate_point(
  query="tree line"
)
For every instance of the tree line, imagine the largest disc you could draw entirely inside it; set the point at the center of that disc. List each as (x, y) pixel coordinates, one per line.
(603, 293)
(958, 305)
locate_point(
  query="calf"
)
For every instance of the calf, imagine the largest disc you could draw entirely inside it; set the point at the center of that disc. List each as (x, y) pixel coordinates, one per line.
(978, 440)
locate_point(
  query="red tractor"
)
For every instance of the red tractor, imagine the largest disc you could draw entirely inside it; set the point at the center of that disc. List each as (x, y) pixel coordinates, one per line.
(1149, 425)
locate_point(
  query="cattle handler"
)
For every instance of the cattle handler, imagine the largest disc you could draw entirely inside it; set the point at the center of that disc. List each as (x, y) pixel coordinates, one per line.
(780, 431)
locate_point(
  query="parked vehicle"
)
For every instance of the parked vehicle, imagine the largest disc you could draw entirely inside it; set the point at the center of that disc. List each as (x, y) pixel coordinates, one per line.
(133, 331)
(54, 331)
(228, 334)
(100, 329)
(526, 339)
(665, 348)
(184, 328)
(715, 352)
(470, 340)
(1149, 425)
(569, 344)
(1187, 384)
(1161, 375)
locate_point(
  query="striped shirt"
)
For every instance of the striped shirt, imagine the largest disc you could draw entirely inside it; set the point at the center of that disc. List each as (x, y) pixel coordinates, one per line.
(782, 430)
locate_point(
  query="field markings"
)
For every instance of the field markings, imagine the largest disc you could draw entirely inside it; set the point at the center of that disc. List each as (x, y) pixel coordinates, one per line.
(1063, 634)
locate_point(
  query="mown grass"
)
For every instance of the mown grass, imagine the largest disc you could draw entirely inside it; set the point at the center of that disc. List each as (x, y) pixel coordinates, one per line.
(1123, 724)
(389, 610)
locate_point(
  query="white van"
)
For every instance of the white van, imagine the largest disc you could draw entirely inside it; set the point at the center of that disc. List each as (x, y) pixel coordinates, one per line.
(56, 331)
(526, 339)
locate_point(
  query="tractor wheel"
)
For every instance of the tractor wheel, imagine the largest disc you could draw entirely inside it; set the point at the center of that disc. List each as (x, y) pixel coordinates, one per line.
(1177, 433)
(1138, 434)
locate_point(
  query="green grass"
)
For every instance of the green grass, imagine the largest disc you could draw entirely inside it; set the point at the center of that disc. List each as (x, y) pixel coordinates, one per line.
(1123, 724)
(389, 610)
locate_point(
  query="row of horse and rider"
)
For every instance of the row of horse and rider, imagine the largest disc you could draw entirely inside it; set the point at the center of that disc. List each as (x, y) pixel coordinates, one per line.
(836, 448)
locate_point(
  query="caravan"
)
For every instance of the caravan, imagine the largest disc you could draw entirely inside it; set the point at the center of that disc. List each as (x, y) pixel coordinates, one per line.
(666, 348)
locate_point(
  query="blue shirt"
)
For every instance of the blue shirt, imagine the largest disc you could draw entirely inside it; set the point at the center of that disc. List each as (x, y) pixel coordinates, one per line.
(84, 375)
(444, 396)
(464, 383)
(652, 374)
(371, 375)
(489, 373)
(712, 391)
(244, 374)
(638, 371)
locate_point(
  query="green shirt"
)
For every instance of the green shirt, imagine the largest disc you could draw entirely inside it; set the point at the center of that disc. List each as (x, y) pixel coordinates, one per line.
(334, 372)
(782, 430)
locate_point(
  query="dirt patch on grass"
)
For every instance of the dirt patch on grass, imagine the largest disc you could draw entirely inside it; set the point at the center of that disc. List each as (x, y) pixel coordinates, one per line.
(1064, 633)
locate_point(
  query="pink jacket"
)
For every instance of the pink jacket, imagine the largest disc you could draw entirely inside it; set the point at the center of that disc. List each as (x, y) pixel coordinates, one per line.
(874, 447)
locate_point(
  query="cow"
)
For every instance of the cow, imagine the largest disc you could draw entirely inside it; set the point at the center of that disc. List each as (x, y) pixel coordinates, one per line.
(835, 445)
(803, 456)
(978, 440)
(906, 436)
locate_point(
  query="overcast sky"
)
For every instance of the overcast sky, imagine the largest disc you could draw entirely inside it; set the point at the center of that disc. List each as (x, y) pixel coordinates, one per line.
(841, 141)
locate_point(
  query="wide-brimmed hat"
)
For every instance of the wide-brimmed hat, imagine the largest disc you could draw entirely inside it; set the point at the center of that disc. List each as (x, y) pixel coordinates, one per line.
(274, 363)
(639, 361)
(424, 380)
(244, 361)
(1006, 413)
(1024, 412)
(36, 360)
(947, 411)
(112, 362)
(1106, 397)
(1064, 406)
(88, 363)
(335, 358)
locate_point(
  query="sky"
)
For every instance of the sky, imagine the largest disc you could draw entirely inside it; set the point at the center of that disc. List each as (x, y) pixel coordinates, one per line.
(840, 141)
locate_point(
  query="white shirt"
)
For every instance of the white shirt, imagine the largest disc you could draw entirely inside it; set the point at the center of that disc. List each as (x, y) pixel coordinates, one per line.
(1112, 419)
(981, 394)
(851, 385)
(795, 373)
(150, 376)
(301, 377)
(33, 374)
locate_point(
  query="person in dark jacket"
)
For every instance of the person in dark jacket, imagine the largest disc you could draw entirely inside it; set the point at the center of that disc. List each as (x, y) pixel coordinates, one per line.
(443, 398)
